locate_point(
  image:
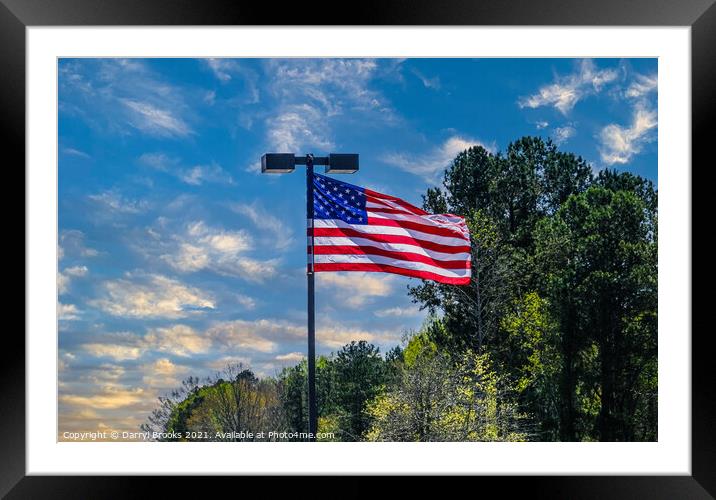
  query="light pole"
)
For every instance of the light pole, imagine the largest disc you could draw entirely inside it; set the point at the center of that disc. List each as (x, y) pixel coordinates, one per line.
(282, 163)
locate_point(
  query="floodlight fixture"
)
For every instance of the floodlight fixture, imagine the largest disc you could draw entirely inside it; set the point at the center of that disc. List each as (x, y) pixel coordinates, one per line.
(278, 163)
(342, 163)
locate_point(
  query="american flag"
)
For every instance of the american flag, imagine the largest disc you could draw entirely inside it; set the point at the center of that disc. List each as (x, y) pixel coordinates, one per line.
(357, 229)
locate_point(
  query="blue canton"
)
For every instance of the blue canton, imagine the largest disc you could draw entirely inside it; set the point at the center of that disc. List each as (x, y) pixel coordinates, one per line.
(334, 199)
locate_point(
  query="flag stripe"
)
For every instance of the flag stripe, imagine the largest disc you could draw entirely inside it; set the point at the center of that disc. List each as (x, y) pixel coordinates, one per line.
(378, 228)
(383, 268)
(380, 210)
(326, 241)
(403, 256)
(403, 264)
(372, 202)
(387, 197)
(454, 226)
(400, 221)
(389, 238)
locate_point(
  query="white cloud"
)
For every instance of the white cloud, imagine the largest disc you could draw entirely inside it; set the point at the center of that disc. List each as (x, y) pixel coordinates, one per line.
(541, 124)
(64, 278)
(282, 236)
(118, 95)
(63, 361)
(159, 161)
(567, 91)
(218, 239)
(75, 152)
(249, 303)
(163, 373)
(336, 336)
(188, 258)
(177, 340)
(260, 335)
(155, 121)
(72, 244)
(226, 70)
(196, 175)
(357, 288)
(181, 203)
(219, 250)
(200, 174)
(222, 68)
(316, 78)
(429, 83)
(297, 127)
(641, 86)
(63, 283)
(312, 92)
(114, 202)
(619, 144)
(72, 78)
(67, 312)
(151, 296)
(397, 312)
(117, 352)
(110, 397)
(76, 271)
(266, 335)
(563, 134)
(119, 346)
(431, 164)
(291, 357)
(180, 340)
(106, 373)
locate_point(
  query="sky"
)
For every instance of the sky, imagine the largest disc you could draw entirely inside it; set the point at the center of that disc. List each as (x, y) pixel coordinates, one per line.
(176, 256)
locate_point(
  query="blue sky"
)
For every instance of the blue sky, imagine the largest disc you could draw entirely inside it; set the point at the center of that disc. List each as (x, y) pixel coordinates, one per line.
(177, 256)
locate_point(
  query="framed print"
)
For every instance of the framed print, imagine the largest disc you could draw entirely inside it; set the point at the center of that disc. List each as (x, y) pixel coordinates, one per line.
(496, 275)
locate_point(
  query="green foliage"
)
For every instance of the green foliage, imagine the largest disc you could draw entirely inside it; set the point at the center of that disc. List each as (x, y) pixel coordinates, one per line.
(177, 422)
(598, 256)
(563, 295)
(238, 402)
(503, 196)
(345, 381)
(361, 374)
(421, 345)
(329, 427)
(437, 400)
(531, 338)
(293, 390)
(530, 350)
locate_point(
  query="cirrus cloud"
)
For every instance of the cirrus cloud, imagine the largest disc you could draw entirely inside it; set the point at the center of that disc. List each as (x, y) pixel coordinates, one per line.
(222, 251)
(566, 91)
(618, 144)
(121, 95)
(641, 86)
(151, 296)
(431, 164)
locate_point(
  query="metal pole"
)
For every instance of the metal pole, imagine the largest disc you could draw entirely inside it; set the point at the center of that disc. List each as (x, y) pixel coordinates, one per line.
(312, 406)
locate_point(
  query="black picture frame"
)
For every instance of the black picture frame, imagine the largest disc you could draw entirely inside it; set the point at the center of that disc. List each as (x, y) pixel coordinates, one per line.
(700, 15)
